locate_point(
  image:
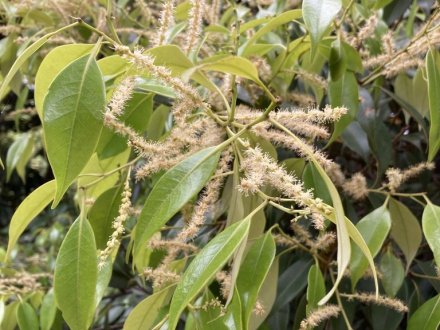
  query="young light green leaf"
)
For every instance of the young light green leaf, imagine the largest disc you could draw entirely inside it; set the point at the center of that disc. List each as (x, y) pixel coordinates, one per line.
(27, 317)
(24, 56)
(315, 287)
(76, 273)
(52, 65)
(16, 151)
(31, 206)
(318, 15)
(171, 192)
(144, 315)
(393, 273)
(48, 311)
(433, 71)
(253, 272)
(405, 230)
(431, 229)
(204, 266)
(374, 228)
(427, 316)
(236, 65)
(72, 120)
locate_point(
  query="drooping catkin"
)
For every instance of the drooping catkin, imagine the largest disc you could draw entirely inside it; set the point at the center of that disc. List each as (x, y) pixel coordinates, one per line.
(319, 315)
(396, 177)
(118, 224)
(385, 301)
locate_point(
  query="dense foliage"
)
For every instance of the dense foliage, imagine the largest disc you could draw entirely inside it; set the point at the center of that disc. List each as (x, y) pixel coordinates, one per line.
(219, 165)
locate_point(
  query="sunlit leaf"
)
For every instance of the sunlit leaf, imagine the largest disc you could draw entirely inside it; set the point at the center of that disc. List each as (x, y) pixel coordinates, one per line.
(72, 120)
(427, 317)
(28, 210)
(204, 266)
(431, 229)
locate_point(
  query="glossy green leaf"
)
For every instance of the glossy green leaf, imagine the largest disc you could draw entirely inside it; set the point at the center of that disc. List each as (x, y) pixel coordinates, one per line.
(48, 311)
(27, 317)
(291, 282)
(315, 287)
(53, 63)
(23, 57)
(72, 120)
(9, 321)
(427, 317)
(16, 152)
(318, 15)
(431, 229)
(433, 70)
(405, 230)
(374, 228)
(25, 157)
(171, 192)
(344, 93)
(76, 273)
(31, 206)
(204, 266)
(393, 273)
(253, 272)
(102, 213)
(144, 315)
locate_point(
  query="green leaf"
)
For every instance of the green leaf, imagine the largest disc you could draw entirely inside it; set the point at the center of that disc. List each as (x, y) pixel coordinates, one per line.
(235, 65)
(431, 229)
(52, 65)
(393, 273)
(291, 282)
(31, 206)
(405, 231)
(267, 295)
(171, 192)
(144, 315)
(103, 212)
(272, 24)
(72, 120)
(253, 272)
(344, 93)
(174, 59)
(76, 273)
(312, 180)
(427, 317)
(433, 70)
(157, 123)
(337, 61)
(18, 149)
(318, 15)
(315, 287)
(374, 228)
(48, 311)
(27, 317)
(24, 57)
(112, 66)
(204, 266)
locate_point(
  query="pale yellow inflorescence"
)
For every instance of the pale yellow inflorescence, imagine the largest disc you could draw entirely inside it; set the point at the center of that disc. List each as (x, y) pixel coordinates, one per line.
(319, 315)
